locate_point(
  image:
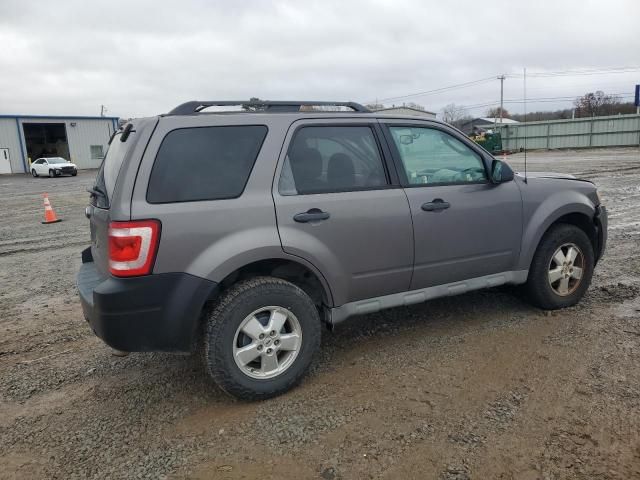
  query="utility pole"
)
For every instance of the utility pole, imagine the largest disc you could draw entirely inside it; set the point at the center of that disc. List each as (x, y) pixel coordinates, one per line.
(102, 110)
(501, 78)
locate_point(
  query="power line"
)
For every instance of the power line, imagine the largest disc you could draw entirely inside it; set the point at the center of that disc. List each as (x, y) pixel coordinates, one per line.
(560, 73)
(538, 100)
(571, 73)
(439, 90)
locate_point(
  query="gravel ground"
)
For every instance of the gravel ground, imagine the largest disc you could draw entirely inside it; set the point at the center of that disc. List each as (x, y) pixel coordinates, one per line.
(477, 386)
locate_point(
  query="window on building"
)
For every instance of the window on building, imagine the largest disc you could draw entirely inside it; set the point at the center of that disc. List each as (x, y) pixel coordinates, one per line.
(97, 153)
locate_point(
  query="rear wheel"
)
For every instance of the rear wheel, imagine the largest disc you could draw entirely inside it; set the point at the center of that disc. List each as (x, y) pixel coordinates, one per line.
(561, 269)
(34, 173)
(260, 338)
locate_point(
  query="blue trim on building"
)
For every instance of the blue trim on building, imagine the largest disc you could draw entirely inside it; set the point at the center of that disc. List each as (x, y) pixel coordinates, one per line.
(60, 117)
(22, 147)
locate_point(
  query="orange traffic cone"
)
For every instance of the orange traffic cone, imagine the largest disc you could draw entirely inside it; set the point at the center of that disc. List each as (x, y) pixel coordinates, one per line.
(49, 214)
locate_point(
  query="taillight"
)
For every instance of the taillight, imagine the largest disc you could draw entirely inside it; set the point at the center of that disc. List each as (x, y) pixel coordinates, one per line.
(132, 247)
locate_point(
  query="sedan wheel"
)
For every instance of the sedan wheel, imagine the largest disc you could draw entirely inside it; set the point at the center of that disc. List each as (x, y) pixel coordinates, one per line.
(33, 172)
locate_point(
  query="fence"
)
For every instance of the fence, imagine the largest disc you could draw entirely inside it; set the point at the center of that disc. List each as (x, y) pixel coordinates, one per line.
(611, 131)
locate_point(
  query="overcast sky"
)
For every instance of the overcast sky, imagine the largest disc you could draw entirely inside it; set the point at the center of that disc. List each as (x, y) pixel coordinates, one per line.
(144, 57)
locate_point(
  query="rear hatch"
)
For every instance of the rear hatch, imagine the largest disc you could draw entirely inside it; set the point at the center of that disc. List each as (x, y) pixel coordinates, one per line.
(102, 194)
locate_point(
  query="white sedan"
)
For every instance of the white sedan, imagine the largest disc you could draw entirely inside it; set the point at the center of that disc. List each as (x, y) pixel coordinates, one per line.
(53, 166)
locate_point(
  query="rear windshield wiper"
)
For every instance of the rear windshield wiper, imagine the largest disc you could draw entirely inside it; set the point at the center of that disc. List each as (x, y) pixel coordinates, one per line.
(125, 133)
(96, 191)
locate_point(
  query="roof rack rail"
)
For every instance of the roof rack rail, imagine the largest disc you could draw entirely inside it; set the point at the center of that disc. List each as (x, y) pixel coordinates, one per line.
(196, 106)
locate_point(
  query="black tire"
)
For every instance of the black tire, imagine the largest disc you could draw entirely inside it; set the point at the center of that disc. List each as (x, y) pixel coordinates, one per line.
(34, 173)
(74, 173)
(225, 317)
(52, 173)
(538, 287)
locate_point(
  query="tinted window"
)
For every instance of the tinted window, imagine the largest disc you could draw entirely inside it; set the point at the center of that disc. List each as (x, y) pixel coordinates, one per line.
(204, 163)
(109, 170)
(332, 159)
(434, 156)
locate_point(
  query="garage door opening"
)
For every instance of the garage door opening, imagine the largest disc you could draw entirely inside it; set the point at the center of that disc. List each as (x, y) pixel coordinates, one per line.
(46, 140)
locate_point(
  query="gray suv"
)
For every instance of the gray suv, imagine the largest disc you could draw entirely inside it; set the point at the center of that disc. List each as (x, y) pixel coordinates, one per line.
(238, 233)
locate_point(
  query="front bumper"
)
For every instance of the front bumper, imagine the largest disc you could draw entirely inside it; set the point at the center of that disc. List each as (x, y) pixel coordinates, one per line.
(157, 312)
(601, 222)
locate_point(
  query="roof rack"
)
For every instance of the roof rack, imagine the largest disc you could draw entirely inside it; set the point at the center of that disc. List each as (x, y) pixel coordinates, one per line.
(196, 106)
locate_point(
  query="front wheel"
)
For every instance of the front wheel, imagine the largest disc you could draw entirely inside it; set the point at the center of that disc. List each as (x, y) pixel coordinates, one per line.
(561, 269)
(260, 338)
(74, 173)
(34, 173)
(52, 173)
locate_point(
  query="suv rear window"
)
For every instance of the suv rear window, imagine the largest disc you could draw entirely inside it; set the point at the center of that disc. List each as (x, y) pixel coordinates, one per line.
(109, 170)
(204, 163)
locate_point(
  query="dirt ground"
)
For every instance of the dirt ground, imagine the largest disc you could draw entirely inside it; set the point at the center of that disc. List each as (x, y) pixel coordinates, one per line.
(480, 386)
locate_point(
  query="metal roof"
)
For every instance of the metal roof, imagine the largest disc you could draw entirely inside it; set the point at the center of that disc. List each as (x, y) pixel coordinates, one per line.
(60, 117)
(496, 120)
(403, 107)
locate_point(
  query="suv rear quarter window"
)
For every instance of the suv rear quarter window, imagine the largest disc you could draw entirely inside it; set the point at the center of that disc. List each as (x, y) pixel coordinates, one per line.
(109, 170)
(204, 163)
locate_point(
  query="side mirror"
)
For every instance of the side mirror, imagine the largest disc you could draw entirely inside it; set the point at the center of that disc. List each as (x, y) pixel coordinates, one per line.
(406, 139)
(500, 172)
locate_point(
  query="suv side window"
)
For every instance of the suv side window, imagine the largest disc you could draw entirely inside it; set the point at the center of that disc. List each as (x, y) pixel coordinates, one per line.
(431, 156)
(204, 163)
(323, 159)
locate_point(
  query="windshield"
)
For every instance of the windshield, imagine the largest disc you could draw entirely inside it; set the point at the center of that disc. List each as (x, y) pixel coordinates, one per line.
(109, 170)
(54, 160)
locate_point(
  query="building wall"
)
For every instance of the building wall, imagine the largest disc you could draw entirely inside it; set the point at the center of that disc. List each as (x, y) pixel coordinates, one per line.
(610, 131)
(406, 111)
(84, 133)
(81, 136)
(10, 139)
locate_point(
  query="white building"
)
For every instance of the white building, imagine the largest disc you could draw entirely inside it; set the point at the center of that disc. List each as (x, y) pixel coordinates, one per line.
(24, 138)
(404, 110)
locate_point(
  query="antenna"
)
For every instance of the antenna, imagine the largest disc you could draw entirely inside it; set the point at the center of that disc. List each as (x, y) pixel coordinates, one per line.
(525, 124)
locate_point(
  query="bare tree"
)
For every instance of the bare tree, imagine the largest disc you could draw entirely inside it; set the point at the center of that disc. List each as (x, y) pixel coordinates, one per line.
(452, 113)
(595, 104)
(495, 113)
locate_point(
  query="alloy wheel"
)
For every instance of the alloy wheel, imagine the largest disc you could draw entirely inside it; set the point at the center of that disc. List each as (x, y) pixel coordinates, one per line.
(566, 269)
(267, 342)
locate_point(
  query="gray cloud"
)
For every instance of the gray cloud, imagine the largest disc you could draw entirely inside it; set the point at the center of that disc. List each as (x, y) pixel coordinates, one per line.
(144, 57)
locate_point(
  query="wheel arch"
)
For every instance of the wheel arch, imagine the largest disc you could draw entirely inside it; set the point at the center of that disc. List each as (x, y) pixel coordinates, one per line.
(294, 270)
(579, 215)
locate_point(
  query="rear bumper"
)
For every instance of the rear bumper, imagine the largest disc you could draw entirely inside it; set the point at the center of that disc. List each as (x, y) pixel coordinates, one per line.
(602, 222)
(143, 314)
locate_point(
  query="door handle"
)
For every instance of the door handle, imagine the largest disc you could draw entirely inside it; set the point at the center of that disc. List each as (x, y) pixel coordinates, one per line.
(436, 205)
(311, 215)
